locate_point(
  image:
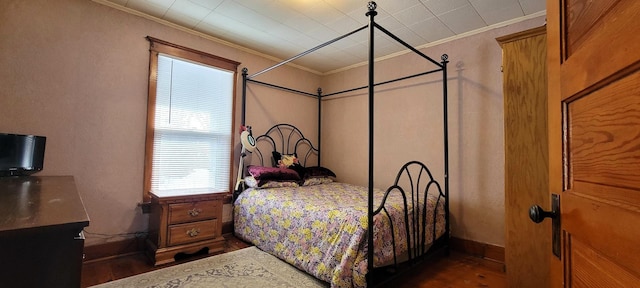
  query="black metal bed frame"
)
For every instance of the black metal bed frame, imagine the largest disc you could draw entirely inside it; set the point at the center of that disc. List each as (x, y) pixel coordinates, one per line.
(441, 244)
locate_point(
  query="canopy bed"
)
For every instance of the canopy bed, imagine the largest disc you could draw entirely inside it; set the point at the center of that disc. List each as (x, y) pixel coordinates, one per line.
(288, 205)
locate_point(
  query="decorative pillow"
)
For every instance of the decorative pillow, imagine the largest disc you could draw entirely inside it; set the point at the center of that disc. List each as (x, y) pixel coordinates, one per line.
(302, 172)
(316, 181)
(253, 183)
(265, 174)
(318, 171)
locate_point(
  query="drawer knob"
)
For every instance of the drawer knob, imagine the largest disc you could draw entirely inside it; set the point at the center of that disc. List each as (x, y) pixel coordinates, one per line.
(194, 212)
(193, 232)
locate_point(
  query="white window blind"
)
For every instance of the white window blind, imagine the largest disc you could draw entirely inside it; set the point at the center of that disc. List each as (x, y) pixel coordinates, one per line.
(192, 127)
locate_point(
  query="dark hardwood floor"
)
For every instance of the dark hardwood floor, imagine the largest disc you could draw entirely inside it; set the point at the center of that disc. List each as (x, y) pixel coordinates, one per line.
(456, 270)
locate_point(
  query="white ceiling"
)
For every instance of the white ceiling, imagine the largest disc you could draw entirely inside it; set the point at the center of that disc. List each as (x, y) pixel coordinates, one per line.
(285, 28)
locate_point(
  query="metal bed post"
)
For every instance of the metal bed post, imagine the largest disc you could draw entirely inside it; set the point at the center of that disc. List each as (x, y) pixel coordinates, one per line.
(319, 123)
(445, 58)
(372, 13)
(244, 95)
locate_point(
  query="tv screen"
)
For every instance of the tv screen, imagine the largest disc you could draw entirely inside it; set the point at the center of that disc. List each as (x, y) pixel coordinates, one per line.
(21, 155)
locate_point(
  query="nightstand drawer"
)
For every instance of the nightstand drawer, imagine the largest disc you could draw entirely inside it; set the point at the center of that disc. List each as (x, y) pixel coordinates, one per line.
(192, 232)
(195, 211)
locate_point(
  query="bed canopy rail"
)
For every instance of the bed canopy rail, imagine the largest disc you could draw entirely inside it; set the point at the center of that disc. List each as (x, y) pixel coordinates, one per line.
(307, 52)
(440, 67)
(385, 82)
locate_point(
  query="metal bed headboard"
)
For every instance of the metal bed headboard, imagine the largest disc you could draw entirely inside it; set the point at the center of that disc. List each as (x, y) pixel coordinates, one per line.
(285, 139)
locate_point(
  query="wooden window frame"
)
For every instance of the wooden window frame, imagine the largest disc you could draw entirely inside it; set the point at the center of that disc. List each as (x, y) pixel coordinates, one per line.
(158, 46)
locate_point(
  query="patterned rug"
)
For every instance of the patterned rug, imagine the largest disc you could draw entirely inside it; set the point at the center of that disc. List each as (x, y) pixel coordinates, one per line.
(248, 267)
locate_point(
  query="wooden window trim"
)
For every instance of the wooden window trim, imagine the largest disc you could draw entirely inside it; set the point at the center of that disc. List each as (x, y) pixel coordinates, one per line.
(158, 46)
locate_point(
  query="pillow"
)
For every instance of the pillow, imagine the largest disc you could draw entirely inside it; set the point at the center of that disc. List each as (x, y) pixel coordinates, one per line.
(316, 181)
(264, 174)
(302, 172)
(274, 184)
(253, 183)
(318, 171)
(317, 175)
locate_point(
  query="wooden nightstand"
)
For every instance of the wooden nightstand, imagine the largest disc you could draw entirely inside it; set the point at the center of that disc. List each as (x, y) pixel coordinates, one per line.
(184, 223)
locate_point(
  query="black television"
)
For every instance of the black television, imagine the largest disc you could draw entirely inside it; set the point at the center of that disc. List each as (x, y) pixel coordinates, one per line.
(21, 155)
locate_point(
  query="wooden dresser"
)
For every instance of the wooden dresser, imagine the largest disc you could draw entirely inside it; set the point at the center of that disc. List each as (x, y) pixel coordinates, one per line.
(41, 240)
(184, 224)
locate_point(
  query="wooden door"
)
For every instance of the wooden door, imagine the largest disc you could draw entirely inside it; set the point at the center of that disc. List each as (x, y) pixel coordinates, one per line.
(524, 68)
(594, 134)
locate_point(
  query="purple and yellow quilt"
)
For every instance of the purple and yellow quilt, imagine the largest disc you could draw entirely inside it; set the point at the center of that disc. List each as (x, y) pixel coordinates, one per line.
(321, 229)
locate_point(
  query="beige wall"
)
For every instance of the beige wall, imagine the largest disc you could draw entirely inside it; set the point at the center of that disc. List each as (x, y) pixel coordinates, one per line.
(77, 72)
(409, 126)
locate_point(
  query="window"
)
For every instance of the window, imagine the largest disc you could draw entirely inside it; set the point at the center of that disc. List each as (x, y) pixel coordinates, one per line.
(190, 121)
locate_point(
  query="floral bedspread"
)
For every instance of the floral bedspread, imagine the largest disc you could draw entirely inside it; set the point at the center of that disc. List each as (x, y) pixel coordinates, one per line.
(321, 229)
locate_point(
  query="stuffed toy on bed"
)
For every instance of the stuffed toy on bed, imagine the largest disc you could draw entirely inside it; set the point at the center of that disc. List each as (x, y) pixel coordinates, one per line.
(287, 160)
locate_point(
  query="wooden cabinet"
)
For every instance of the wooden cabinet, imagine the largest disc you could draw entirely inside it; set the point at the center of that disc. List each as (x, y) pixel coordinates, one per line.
(184, 224)
(41, 240)
(527, 245)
